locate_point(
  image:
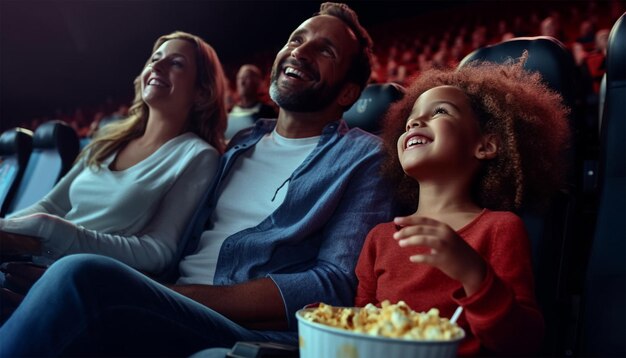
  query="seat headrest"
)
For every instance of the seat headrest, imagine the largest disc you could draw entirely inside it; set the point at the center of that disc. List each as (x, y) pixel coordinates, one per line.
(16, 141)
(616, 51)
(546, 55)
(367, 112)
(53, 134)
(614, 112)
(57, 135)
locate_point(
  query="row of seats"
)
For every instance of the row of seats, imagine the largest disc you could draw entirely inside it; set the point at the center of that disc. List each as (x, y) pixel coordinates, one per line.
(604, 296)
(32, 163)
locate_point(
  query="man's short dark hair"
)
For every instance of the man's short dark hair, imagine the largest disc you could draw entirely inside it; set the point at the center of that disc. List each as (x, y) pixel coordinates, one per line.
(361, 68)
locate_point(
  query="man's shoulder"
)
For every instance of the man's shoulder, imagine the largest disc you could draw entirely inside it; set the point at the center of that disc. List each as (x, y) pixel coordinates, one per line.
(364, 138)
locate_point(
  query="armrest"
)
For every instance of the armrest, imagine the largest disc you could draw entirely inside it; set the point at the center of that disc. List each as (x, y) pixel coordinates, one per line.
(262, 349)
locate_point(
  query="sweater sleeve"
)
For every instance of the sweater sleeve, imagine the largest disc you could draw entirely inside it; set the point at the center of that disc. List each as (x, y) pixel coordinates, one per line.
(503, 313)
(150, 250)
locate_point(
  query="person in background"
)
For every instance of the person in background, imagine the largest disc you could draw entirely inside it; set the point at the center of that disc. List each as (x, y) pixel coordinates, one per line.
(286, 219)
(249, 108)
(469, 145)
(595, 59)
(551, 26)
(133, 189)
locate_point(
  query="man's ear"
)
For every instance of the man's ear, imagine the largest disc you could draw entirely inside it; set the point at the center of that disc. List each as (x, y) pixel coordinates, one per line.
(348, 94)
(488, 147)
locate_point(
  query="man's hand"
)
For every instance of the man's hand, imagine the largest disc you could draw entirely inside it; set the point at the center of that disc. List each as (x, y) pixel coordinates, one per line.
(255, 304)
(16, 244)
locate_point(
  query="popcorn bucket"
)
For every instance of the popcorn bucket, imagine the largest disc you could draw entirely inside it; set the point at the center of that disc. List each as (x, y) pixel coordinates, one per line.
(319, 340)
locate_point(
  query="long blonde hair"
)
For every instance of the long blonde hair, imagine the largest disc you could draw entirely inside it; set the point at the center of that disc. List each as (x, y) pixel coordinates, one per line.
(207, 118)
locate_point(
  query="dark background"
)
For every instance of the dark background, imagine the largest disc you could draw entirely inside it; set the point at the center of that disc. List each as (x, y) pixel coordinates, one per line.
(56, 56)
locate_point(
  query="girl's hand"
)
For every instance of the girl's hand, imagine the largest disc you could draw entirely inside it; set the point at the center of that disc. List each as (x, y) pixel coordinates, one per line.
(448, 251)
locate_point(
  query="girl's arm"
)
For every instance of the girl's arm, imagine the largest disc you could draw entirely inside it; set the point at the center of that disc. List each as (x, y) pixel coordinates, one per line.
(503, 313)
(497, 291)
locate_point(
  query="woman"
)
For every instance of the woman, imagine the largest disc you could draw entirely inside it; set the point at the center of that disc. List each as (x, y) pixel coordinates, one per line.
(134, 188)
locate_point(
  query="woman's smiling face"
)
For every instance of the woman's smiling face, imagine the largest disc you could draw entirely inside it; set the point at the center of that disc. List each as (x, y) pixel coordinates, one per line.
(169, 78)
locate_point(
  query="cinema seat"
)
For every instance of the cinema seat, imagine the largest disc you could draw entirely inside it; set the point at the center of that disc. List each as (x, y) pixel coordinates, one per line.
(553, 232)
(16, 145)
(367, 112)
(554, 61)
(55, 146)
(604, 314)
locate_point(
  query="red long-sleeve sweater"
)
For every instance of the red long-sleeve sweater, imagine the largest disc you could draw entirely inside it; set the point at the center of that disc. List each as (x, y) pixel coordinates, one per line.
(502, 317)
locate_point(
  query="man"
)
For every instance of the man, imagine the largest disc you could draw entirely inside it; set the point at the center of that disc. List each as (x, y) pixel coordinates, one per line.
(290, 208)
(250, 107)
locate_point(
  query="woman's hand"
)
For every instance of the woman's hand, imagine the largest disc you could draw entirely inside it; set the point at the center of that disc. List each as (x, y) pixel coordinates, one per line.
(448, 251)
(16, 244)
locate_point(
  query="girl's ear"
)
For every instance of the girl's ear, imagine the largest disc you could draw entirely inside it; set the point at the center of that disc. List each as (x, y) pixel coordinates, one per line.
(349, 94)
(488, 147)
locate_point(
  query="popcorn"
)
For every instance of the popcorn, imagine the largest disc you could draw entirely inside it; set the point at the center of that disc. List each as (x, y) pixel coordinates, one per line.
(391, 320)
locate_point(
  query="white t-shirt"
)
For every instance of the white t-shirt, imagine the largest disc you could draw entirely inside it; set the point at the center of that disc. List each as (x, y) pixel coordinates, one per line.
(136, 215)
(254, 188)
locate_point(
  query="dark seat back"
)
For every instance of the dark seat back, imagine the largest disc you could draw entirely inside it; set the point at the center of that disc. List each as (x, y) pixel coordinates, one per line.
(16, 145)
(546, 55)
(550, 230)
(368, 111)
(604, 318)
(554, 61)
(55, 146)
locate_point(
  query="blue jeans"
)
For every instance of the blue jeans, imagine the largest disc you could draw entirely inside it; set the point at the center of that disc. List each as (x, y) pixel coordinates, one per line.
(93, 305)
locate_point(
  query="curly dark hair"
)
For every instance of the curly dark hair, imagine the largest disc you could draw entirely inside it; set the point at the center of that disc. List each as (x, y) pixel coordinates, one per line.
(528, 118)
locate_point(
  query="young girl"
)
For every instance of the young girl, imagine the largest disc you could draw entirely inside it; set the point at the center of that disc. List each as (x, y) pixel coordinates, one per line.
(480, 141)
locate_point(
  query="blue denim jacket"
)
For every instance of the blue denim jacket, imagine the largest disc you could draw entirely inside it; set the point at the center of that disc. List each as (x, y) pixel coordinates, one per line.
(310, 245)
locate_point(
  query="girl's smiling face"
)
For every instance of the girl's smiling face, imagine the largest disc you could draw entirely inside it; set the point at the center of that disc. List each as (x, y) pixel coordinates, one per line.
(442, 134)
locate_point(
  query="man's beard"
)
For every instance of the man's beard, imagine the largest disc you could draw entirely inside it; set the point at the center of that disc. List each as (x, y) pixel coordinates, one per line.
(309, 99)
